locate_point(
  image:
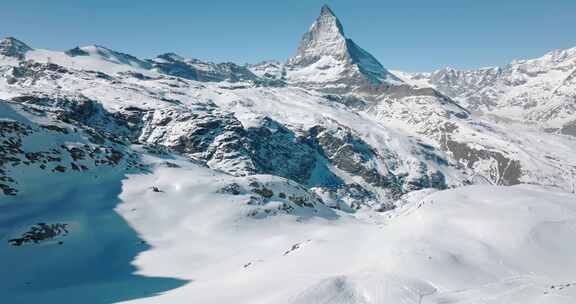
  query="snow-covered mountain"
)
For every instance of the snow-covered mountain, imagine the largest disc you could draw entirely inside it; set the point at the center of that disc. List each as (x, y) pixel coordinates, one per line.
(329, 61)
(12, 47)
(538, 91)
(207, 176)
(194, 69)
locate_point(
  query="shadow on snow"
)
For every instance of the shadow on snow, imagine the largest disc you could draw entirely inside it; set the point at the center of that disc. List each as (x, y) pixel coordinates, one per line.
(92, 266)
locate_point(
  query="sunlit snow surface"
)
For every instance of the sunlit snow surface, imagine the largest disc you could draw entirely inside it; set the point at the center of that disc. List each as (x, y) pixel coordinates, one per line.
(478, 244)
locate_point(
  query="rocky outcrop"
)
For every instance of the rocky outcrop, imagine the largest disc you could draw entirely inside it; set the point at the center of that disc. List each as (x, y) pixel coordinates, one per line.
(279, 151)
(316, 157)
(80, 110)
(569, 128)
(194, 69)
(499, 168)
(12, 47)
(61, 146)
(352, 155)
(204, 133)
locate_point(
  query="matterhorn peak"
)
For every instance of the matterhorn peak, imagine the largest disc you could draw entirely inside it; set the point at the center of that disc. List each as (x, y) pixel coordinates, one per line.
(325, 50)
(326, 10)
(12, 47)
(325, 37)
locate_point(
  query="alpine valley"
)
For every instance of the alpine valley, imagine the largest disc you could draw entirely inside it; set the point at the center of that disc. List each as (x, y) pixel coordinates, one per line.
(323, 179)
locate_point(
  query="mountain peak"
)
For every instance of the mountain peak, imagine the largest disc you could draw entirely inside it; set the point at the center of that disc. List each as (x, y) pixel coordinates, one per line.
(325, 37)
(325, 10)
(104, 53)
(12, 47)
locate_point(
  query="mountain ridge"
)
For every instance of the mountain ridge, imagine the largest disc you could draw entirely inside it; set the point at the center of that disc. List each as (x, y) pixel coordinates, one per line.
(535, 91)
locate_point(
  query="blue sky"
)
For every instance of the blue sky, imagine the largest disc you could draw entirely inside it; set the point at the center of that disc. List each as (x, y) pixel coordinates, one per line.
(413, 35)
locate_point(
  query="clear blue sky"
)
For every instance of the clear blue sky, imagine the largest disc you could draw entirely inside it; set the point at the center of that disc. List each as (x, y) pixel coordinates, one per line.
(414, 35)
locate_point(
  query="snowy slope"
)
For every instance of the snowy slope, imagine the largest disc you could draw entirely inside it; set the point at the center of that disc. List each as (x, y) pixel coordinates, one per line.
(326, 179)
(447, 245)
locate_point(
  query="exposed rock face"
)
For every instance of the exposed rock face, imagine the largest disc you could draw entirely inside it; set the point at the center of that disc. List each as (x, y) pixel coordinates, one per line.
(569, 128)
(193, 69)
(77, 51)
(39, 233)
(12, 47)
(326, 56)
(495, 165)
(325, 157)
(352, 155)
(316, 157)
(456, 83)
(61, 146)
(278, 195)
(325, 38)
(80, 110)
(203, 133)
(561, 107)
(279, 151)
(273, 70)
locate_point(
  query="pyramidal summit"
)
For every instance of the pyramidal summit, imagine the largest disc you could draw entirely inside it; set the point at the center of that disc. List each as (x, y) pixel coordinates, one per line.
(325, 57)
